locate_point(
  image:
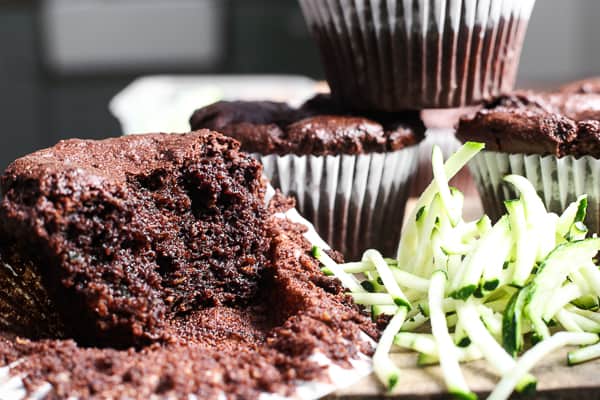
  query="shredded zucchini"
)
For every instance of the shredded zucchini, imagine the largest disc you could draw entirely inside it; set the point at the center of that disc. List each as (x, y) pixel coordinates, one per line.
(533, 356)
(453, 376)
(383, 366)
(481, 289)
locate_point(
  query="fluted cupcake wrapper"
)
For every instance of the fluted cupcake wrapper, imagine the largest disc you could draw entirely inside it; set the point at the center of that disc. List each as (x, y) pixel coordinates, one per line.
(391, 55)
(355, 202)
(558, 181)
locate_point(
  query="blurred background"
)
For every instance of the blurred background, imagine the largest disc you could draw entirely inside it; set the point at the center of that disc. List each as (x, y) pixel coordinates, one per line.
(63, 60)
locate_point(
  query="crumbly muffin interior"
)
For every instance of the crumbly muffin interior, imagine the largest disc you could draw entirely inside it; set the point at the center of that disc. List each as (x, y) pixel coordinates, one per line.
(238, 350)
(151, 265)
(178, 228)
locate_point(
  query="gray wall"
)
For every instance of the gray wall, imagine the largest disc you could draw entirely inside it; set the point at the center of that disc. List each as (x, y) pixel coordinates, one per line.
(19, 85)
(42, 102)
(563, 42)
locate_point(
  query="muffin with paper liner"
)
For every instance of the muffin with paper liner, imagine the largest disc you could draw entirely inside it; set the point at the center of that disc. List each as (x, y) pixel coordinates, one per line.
(350, 174)
(394, 55)
(553, 139)
(102, 241)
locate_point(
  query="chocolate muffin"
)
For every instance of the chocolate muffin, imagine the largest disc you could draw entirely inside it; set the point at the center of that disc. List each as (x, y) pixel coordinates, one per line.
(552, 138)
(165, 243)
(137, 208)
(392, 55)
(537, 123)
(350, 173)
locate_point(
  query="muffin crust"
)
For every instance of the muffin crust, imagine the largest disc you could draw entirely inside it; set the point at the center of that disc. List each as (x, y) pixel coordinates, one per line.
(558, 124)
(319, 127)
(240, 313)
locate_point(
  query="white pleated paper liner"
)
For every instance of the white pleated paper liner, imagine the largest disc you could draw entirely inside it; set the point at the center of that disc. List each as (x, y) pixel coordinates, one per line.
(558, 181)
(355, 202)
(391, 55)
(12, 388)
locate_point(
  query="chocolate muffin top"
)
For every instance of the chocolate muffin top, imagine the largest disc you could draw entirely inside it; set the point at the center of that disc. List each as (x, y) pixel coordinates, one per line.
(559, 124)
(150, 267)
(129, 232)
(318, 127)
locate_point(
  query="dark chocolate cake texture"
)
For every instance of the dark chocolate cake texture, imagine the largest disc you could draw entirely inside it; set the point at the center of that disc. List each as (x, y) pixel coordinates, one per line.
(558, 124)
(150, 266)
(169, 224)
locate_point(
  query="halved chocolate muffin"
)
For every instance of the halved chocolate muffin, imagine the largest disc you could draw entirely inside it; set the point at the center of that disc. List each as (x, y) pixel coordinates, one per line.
(553, 139)
(350, 173)
(318, 128)
(163, 243)
(170, 223)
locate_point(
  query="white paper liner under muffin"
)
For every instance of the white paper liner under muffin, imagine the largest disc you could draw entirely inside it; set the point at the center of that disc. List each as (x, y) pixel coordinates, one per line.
(391, 55)
(12, 388)
(355, 202)
(558, 181)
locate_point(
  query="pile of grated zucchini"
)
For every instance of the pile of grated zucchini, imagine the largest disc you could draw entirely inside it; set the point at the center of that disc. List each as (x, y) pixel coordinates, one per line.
(510, 292)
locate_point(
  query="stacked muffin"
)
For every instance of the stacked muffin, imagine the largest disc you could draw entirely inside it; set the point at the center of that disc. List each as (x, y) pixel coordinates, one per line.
(551, 138)
(349, 158)
(350, 174)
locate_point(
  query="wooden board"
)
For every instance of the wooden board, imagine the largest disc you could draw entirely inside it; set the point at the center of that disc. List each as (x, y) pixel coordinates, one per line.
(556, 380)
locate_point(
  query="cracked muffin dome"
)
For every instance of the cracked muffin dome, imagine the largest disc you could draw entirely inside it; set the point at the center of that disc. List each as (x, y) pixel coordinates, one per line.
(551, 138)
(127, 233)
(559, 124)
(150, 266)
(320, 127)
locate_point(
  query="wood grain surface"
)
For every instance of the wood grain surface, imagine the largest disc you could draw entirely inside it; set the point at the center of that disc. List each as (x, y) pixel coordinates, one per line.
(556, 380)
